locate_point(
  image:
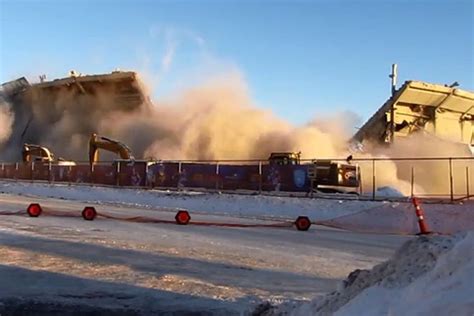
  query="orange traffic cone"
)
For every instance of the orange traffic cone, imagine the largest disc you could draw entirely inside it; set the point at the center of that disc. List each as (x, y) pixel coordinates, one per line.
(421, 218)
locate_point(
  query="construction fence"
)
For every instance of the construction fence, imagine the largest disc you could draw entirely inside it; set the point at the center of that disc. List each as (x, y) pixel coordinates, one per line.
(380, 178)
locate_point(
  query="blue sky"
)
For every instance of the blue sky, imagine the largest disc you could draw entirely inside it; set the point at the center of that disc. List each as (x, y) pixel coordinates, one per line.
(299, 58)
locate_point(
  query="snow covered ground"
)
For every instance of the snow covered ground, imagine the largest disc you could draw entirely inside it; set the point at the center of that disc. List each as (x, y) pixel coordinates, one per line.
(351, 214)
(137, 268)
(230, 204)
(427, 276)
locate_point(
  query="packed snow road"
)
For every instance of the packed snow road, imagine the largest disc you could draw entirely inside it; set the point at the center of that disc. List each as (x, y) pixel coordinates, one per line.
(140, 268)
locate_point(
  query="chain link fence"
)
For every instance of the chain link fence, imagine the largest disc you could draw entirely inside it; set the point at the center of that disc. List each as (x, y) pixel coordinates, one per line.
(379, 178)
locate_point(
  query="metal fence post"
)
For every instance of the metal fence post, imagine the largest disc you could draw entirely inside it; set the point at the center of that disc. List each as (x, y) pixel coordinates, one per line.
(373, 179)
(260, 177)
(451, 184)
(49, 172)
(92, 172)
(32, 170)
(69, 172)
(16, 171)
(179, 185)
(117, 175)
(149, 180)
(467, 183)
(217, 175)
(412, 182)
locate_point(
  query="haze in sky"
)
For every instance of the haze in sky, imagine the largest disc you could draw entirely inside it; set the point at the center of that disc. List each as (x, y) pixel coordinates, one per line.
(297, 58)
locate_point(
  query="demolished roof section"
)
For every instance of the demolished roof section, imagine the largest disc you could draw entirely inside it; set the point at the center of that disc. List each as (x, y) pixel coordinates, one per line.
(125, 87)
(13, 87)
(418, 106)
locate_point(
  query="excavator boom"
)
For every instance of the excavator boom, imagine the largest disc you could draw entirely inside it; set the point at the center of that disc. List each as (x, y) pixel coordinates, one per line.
(99, 142)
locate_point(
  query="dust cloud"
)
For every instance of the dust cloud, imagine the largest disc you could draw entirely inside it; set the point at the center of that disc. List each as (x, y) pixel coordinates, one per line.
(6, 122)
(430, 177)
(215, 120)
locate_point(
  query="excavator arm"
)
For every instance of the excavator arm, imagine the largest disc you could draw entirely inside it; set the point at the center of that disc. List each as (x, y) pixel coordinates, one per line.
(97, 142)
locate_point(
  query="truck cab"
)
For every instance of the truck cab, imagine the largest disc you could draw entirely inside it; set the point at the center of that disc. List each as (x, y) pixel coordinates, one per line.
(284, 158)
(324, 175)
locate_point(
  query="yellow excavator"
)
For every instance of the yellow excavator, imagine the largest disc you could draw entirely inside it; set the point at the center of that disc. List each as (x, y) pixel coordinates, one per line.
(37, 153)
(97, 142)
(34, 153)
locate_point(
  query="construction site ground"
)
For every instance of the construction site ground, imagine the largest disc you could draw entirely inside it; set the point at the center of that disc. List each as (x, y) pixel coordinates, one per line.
(139, 268)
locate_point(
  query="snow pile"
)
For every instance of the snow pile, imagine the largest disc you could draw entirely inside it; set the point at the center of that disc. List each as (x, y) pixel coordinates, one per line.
(388, 192)
(427, 276)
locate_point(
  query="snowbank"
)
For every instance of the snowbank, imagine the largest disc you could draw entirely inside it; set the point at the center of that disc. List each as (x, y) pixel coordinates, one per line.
(427, 276)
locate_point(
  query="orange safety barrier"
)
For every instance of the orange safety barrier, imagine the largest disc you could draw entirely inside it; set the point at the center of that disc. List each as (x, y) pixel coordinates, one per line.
(389, 218)
(394, 219)
(89, 213)
(183, 218)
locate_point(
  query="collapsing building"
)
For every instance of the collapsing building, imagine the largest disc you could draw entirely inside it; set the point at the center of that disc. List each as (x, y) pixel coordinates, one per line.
(78, 105)
(81, 101)
(441, 111)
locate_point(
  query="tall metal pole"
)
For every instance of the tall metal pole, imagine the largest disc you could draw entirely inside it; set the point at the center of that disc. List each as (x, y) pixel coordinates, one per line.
(393, 76)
